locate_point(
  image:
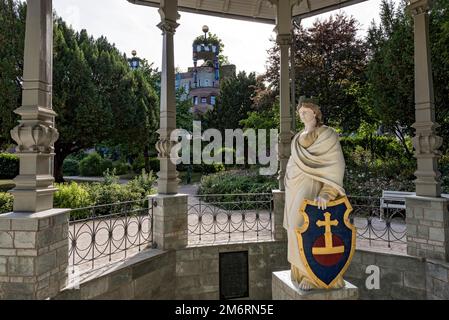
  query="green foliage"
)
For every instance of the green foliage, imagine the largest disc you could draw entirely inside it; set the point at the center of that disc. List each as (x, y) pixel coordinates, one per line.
(329, 59)
(94, 165)
(390, 72)
(138, 164)
(264, 119)
(122, 167)
(208, 168)
(9, 166)
(379, 147)
(443, 165)
(236, 181)
(154, 164)
(12, 35)
(143, 184)
(70, 167)
(6, 202)
(72, 195)
(184, 116)
(233, 104)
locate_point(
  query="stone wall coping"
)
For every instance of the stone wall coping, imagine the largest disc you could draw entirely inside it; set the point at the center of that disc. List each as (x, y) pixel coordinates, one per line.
(230, 244)
(421, 198)
(174, 195)
(398, 254)
(36, 215)
(106, 270)
(443, 264)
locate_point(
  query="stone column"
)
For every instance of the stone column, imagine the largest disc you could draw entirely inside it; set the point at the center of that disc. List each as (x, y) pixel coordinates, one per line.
(170, 208)
(426, 142)
(33, 238)
(428, 227)
(427, 213)
(34, 252)
(170, 221)
(284, 40)
(167, 176)
(279, 232)
(36, 134)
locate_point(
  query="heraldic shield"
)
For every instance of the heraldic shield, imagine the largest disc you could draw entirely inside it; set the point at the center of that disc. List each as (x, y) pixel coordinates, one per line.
(326, 240)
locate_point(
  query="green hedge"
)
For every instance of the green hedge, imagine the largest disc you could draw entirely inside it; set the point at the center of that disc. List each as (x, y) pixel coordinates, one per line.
(71, 167)
(237, 181)
(139, 164)
(9, 166)
(122, 168)
(74, 195)
(6, 202)
(94, 165)
(380, 147)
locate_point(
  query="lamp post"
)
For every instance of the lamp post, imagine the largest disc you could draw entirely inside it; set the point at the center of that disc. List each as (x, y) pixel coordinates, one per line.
(134, 62)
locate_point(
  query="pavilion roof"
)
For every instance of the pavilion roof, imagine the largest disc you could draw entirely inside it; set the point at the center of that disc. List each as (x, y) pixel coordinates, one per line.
(251, 10)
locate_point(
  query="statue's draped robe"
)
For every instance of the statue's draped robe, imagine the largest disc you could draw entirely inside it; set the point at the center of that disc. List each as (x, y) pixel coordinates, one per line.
(315, 168)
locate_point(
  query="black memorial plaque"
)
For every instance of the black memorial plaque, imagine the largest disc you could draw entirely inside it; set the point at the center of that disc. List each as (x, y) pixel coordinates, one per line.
(234, 282)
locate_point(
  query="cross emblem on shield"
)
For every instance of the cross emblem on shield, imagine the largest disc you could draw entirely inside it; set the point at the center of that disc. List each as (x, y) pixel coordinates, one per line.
(326, 240)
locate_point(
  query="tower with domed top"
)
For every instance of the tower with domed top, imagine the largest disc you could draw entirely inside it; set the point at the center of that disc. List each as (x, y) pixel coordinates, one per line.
(201, 83)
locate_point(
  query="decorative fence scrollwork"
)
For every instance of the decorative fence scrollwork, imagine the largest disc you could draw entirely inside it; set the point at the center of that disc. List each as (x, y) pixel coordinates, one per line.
(378, 225)
(108, 232)
(230, 217)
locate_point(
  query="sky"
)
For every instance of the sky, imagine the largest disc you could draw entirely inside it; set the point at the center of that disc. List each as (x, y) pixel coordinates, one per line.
(133, 27)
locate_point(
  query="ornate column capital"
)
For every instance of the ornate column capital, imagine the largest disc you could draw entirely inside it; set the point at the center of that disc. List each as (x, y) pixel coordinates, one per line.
(34, 137)
(168, 26)
(284, 39)
(416, 7)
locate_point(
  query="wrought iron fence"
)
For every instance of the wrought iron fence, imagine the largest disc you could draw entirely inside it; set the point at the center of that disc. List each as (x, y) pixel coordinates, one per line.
(103, 233)
(375, 224)
(230, 217)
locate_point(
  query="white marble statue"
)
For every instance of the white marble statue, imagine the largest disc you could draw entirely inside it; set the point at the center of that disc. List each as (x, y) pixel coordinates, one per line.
(315, 172)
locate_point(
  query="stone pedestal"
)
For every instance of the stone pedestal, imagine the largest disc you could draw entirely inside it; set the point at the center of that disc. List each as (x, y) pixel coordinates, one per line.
(170, 221)
(279, 232)
(427, 227)
(284, 289)
(33, 254)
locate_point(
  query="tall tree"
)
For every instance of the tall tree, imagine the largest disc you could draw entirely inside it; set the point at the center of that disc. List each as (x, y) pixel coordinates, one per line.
(233, 103)
(329, 61)
(97, 97)
(390, 72)
(12, 35)
(84, 117)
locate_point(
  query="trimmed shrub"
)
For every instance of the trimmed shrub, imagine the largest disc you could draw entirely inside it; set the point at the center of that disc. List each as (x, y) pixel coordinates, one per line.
(138, 164)
(122, 168)
(94, 165)
(72, 195)
(235, 181)
(70, 167)
(143, 184)
(9, 165)
(6, 202)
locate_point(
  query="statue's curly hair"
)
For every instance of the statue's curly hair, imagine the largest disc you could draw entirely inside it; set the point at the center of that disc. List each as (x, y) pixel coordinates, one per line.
(310, 104)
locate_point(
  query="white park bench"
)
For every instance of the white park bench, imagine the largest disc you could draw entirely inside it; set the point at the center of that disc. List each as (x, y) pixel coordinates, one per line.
(396, 200)
(393, 200)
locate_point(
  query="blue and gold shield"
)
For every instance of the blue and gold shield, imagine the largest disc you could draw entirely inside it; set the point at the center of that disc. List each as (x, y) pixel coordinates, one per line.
(326, 240)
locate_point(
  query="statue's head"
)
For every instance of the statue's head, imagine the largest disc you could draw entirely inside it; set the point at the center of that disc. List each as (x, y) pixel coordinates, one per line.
(309, 105)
